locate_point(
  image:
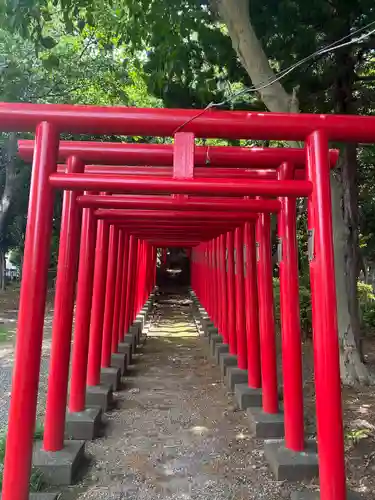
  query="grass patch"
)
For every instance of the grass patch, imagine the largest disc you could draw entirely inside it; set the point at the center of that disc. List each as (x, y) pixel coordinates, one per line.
(36, 479)
(4, 333)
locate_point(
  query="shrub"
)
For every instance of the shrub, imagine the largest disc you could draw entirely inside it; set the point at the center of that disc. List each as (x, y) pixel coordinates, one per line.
(305, 307)
(366, 300)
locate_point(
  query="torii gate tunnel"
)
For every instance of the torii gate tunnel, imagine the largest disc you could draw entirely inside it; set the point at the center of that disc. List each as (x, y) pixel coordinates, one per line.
(122, 202)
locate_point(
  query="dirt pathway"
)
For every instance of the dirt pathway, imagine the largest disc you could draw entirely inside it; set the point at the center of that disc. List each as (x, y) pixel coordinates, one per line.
(176, 434)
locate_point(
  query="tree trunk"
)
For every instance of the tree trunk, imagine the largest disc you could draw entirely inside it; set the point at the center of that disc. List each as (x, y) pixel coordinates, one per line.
(349, 169)
(352, 368)
(6, 197)
(236, 16)
(2, 271)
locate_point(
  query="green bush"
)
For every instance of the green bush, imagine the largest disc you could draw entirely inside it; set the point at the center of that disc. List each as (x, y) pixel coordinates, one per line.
(368, 317)
(36, 479)
(366, 300)
(365, 294)
(305, 306)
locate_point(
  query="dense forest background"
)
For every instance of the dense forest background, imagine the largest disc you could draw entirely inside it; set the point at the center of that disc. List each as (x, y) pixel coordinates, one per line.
(191, 53)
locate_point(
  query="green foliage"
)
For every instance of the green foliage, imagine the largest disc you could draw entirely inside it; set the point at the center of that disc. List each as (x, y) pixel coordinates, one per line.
(354, 436)
(366, 299)
(66, 67)
(36, 478)
(178, 53)
(305, 307)
(365, 294)
(368, 317)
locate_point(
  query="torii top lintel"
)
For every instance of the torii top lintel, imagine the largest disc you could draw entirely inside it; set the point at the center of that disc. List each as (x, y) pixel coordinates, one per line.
(24, 117)
(115, 153)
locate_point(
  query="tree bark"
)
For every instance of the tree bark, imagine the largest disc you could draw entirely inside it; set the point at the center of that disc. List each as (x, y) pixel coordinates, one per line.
(236, 16)
(6, 198)
(10, 180)
(349, 179)
(352, 368)
(2, 271)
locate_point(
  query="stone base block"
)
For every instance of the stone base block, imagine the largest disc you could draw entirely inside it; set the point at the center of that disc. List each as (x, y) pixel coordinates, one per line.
(247, 397)
(111, 377)
(59, 467)
(142, 318)
(225, 361)
(84, 424)
(131, 339)
(315, 495)
(125, 348)
(136, 329)
(220, 349)
(215, 339)
(235, 376)
(42, 496)
(211, 332)
(266, 425)
(99, 395)
(202, 311)
(118, 360)
(289, 465)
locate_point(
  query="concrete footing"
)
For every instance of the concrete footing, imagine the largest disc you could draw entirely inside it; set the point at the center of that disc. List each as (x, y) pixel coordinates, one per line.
(208, 327)
(289, 465)
(235, 376)
(214, 341)
(118, 360)
(211, 330)
(202, 311)
(142, 317)
(42, 496)
(84, 424)
(59, 467)
(220, 349)
(99, 395)
(111, 376)
(136, 329)
(315, 495)
(226, 360)
(266, 425)
(247, 397)
(125, 348)
(131, 339)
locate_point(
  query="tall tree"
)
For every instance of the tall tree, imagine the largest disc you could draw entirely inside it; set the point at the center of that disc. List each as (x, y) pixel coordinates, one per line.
(196, 51)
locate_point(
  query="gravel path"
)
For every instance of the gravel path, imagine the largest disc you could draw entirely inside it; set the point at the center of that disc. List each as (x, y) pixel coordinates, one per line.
(6, 369)
(176, 433)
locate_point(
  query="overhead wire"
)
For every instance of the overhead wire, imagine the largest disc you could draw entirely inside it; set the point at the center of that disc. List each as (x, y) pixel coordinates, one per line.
(281, 74)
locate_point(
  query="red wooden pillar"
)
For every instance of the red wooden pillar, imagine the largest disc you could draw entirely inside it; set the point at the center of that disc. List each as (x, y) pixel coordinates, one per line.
(213, 294)
(129, 285)
(290, 318)
(110, 290)
(118, 292)
(223, 289)
(98, 297)
(83, 310)
(30, 317)
(240, 299)
(63, 316)
(326, 342)
(251, 298)
(231, 294)
(266, 316)
(123, 304)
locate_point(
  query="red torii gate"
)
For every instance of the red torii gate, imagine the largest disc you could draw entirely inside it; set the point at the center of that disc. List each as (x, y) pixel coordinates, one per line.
(50, 120)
